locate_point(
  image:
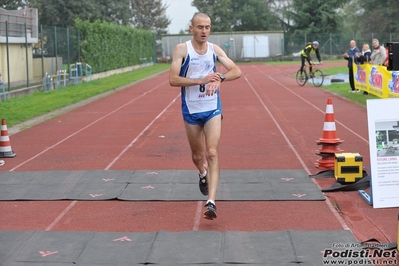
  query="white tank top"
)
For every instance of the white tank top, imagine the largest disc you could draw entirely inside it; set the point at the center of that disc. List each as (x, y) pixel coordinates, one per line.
(195, 65)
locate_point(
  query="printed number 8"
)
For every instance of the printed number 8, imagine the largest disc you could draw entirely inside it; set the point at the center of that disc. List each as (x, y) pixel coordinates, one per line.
(202, 88)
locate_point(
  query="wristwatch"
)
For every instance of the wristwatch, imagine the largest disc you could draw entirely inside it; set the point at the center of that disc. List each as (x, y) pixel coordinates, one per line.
(222, 77)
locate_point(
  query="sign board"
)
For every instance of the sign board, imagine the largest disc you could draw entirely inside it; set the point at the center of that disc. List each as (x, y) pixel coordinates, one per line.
(376, 80)
(383, 126)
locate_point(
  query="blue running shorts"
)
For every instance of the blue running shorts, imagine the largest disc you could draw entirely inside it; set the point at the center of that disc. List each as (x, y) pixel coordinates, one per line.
(200, 118)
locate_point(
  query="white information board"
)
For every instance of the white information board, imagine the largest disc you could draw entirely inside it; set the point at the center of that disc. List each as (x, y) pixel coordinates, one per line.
(256, 46)
(383, 124)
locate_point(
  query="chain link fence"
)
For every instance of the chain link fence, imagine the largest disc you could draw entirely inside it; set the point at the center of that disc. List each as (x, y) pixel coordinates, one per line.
(239, 46)
(332, 46)
(50, 60)
(31, 55)
(280, 46)
(57, 57)
(59, 44)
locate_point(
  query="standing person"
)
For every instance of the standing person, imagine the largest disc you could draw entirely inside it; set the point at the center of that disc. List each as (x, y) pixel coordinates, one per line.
(351, 56)
(310, 48)
(378, 55)
(193, 68)
(365, 55)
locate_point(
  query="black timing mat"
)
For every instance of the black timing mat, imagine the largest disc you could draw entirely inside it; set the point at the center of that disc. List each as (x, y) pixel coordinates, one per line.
(163, 185)
(278, 248)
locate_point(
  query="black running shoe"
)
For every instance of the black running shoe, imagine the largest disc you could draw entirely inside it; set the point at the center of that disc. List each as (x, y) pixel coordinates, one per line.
(203, 185)
(210, 212)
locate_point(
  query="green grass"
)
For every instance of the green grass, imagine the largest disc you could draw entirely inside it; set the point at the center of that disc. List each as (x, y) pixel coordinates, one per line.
(343, 91)
(21, 109)
(344, 88)
(335, 70)
(298, 62)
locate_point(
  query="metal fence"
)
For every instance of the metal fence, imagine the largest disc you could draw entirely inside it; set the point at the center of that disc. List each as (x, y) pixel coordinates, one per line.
(57, 55)
(238, 46)
(281, 45)
(29, 52)
(334, 45)
(25, 62)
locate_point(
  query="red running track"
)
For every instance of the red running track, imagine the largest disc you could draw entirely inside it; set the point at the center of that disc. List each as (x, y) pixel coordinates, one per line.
(269, 123)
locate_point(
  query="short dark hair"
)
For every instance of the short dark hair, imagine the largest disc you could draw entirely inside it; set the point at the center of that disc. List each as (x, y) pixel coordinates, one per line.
(199, 14)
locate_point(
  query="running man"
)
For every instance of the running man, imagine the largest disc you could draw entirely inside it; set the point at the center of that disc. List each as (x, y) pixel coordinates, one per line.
(193, 68)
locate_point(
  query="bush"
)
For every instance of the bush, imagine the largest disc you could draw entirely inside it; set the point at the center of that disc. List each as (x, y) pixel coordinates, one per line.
(107, 46)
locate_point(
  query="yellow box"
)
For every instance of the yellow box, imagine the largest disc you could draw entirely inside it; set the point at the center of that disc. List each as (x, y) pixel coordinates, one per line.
(348, 167)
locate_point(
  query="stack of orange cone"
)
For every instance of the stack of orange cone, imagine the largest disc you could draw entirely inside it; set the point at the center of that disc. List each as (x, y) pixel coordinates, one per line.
(329, 141)
(5, 144)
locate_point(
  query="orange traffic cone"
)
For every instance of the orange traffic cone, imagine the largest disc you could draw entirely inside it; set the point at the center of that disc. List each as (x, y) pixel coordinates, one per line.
(329, 141)
(329, 130)
(5, 145)
(329, 148)
(326, 162)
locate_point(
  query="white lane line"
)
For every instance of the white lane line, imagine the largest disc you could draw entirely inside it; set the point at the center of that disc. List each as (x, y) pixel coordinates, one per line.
(314, 106)
(277, 125)
(89, 125)
(329, 204)
(64, 212)
(142, 132)
(198, 216)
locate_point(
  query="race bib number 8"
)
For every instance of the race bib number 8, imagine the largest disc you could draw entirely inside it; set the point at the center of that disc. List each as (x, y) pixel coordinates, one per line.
(198, 92)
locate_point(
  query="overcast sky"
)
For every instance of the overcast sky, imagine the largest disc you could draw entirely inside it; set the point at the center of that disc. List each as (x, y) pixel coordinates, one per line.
(180, 13)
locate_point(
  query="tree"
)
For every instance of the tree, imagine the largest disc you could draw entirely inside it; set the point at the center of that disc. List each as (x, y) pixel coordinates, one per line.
(12, 4)
(115, 11)
(149, 15)
(350, 15)
(219, 11)
(239, 15)
(64, 13)
(281, 8)
(314, 16)
(379, 18)
(254, 15)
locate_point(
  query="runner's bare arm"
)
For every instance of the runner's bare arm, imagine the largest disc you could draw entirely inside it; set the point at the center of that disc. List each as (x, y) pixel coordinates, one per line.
(233, 71)
(177, 59)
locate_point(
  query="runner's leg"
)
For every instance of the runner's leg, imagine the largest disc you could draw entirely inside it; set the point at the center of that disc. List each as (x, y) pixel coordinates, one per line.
(195, 136)
(212, 130)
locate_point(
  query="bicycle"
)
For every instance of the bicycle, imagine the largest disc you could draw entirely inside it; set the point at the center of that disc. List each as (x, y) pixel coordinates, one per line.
(317, 76)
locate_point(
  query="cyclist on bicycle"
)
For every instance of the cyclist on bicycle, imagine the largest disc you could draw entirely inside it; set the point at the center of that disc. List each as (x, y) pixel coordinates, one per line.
(310, 48)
